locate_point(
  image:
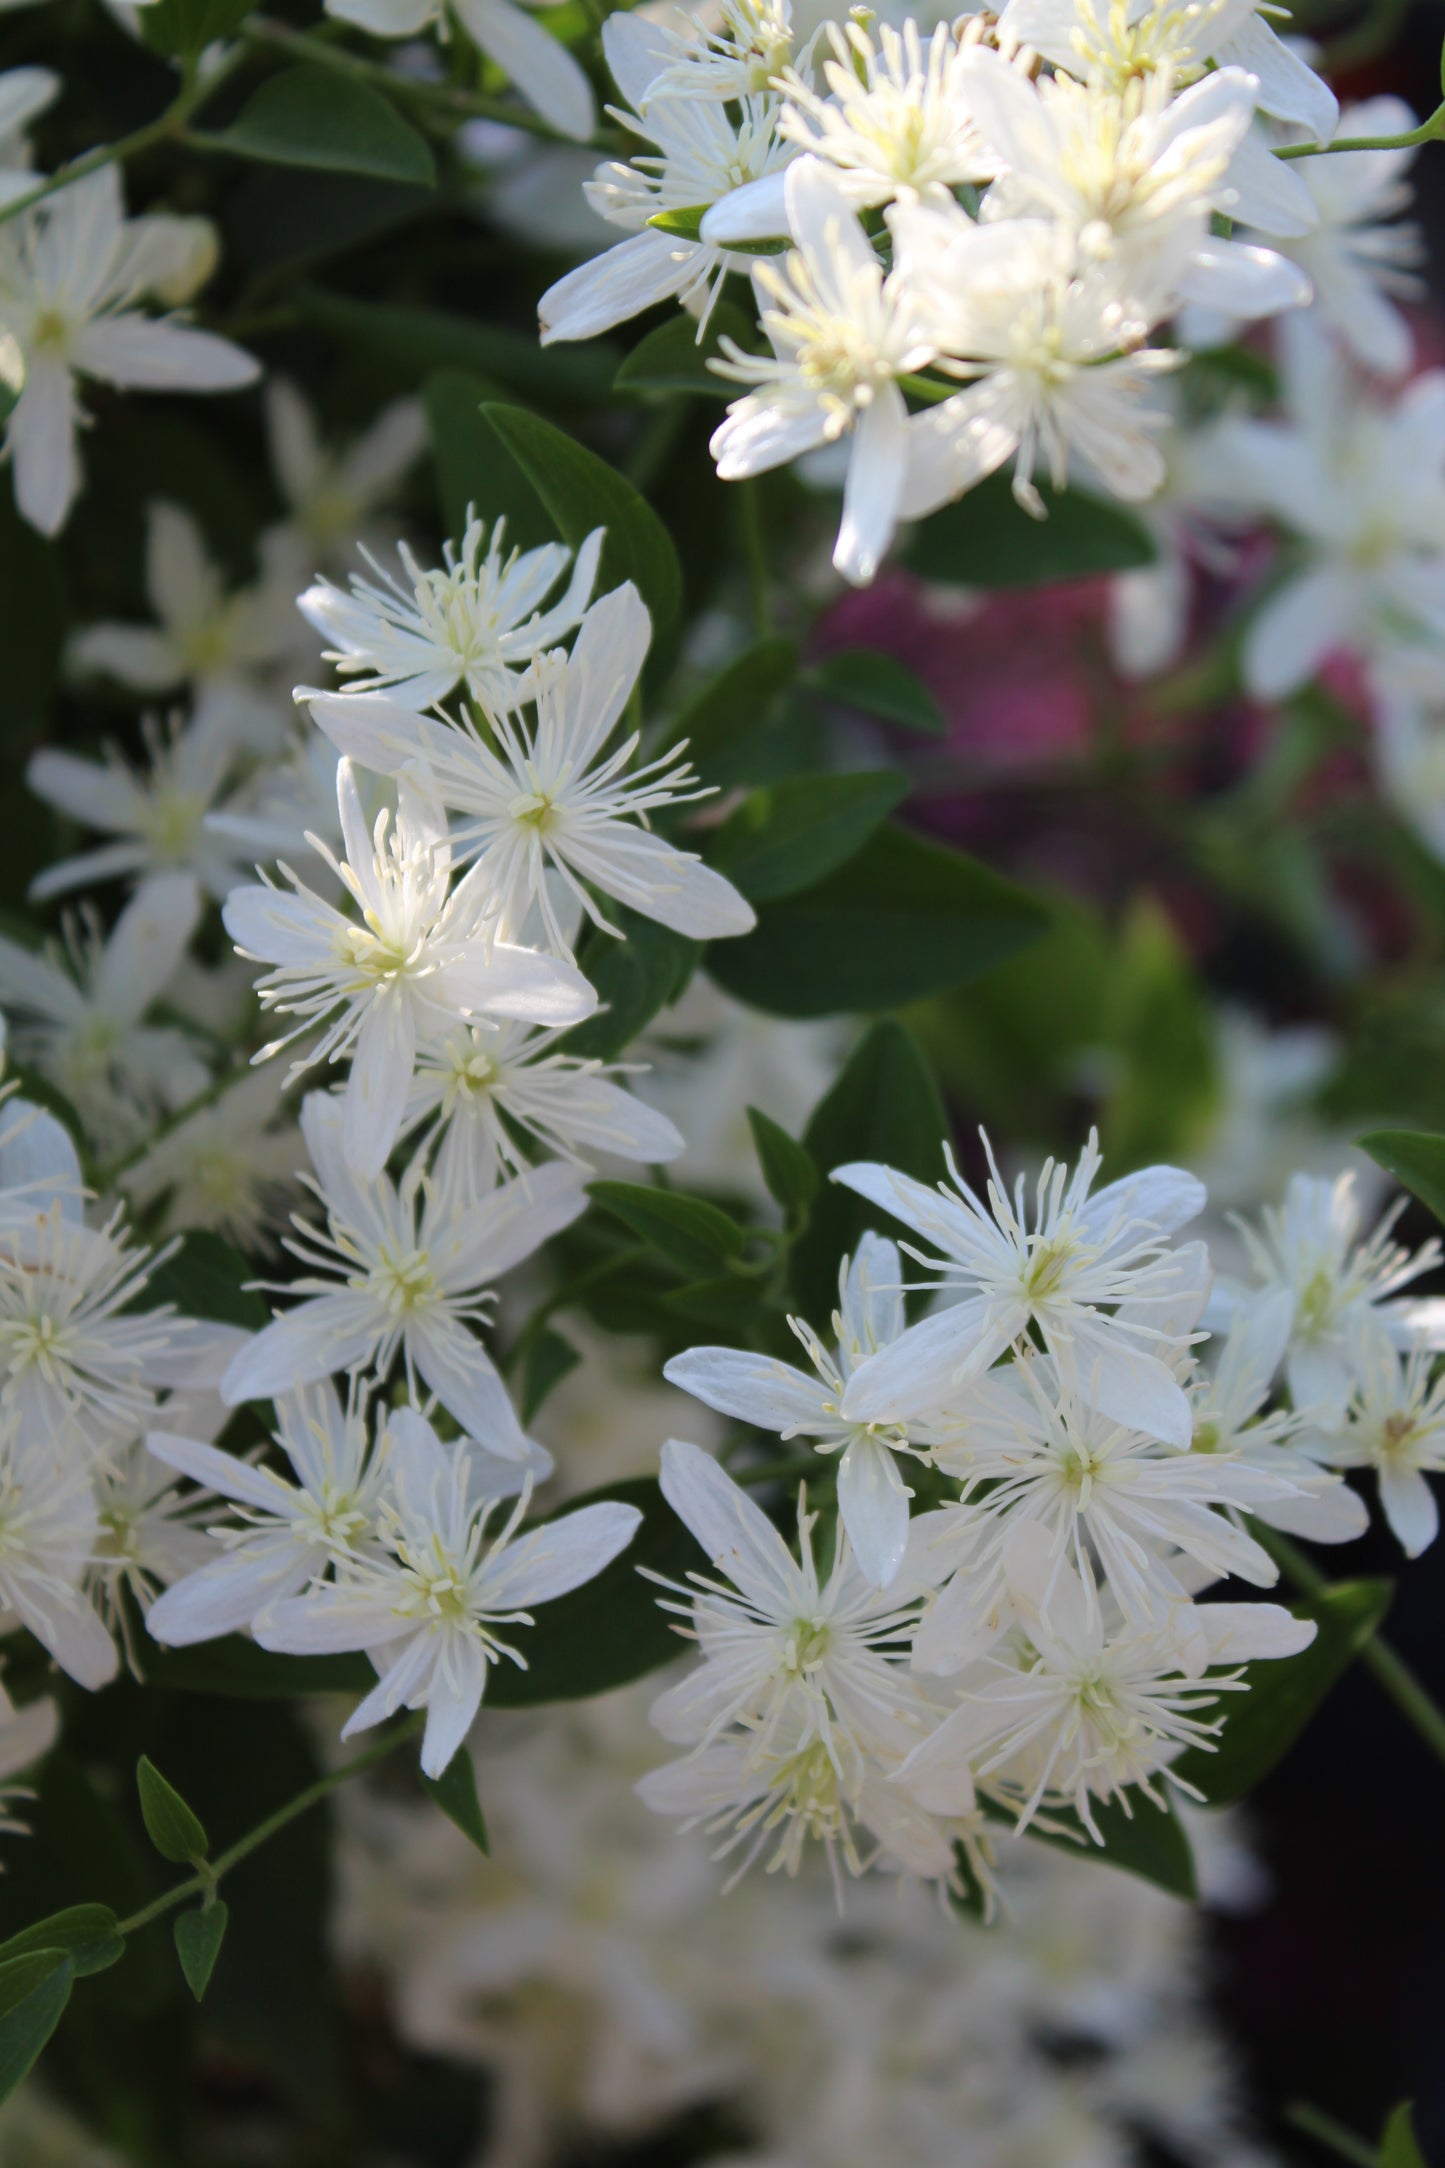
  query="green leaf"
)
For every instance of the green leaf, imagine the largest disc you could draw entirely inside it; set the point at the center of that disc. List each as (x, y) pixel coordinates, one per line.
(787, 836)
(206, 1277)
(34, 1990)
(734, 704)
(237, 1670)
(884, 1106)
(731, 1302)
(199, 1936)
(673, 358)
(172, 1828)
(647, 970)
(455, 1792)
(1260, 1726)
(1414, 1158)
(877, 684)
(473, 471)
(986, 539)
(184, 28)
(582, 492)
(686, 223)
(86, 1933)
(549, 1359)
(313, 116)
(423, 340)
(1150, 1841)
(610, 1630)
(691, 1233)
(1399, 2147)
(904, 918)
(788, 1168)
(1160, 1026)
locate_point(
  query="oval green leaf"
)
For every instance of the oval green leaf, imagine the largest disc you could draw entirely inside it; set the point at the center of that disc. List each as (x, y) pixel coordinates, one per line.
(313, 116)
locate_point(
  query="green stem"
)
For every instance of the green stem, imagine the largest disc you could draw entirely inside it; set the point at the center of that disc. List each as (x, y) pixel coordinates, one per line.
(1393, 1673)
(441, 97)
(1429, 131)
(931, 389)
(1328, 2132)
(188, 100)
(203, 1883)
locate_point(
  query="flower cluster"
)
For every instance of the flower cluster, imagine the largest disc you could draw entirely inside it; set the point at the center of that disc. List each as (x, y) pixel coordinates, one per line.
(999, 242)
(1031, 1641)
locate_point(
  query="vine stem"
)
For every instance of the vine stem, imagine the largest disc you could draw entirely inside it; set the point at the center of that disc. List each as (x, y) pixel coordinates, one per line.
(193, 93)
(1418, 1707)
(1429, 131)
(204, 1882)
(1327, 2131)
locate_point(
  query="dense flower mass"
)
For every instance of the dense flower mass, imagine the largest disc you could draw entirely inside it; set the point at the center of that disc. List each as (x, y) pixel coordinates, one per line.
(749, 1341)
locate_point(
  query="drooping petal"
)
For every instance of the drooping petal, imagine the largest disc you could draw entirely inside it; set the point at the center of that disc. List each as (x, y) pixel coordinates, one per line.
(873, 1502)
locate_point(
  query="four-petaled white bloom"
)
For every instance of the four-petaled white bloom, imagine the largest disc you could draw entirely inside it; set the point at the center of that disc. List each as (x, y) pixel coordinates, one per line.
(1063, 1268)
(71, 273)
(481, 1084)
(432, 1602)
(702, 155)
(419, 957)
(872, 1495)
(554, 796)
(475, 623)
(404, 1272)
(84, 1026)
(1395, 1425)
(842, 334)
(1342, 1290)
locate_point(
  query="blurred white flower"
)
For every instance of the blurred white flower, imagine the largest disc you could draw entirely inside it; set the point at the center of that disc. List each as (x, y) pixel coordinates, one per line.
(540, 66)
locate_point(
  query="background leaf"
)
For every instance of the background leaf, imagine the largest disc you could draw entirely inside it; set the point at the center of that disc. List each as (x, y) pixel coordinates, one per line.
(788, 836)
(987, 540)
(316, 116)
(34, 1991)
(1414, 1158)
(877, 684)
(198, 1936)
(455, 1792)
(173, 1829)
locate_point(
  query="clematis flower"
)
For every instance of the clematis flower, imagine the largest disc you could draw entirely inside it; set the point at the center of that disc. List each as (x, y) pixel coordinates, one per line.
(72, 271)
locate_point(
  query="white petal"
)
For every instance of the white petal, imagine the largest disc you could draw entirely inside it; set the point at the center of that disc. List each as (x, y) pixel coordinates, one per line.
(755, 1389)
(739, 1539)
(559, 1556)
(1408, 1504)
(382, 1064)
(873, 1502)
(541, 67)
(134, 350)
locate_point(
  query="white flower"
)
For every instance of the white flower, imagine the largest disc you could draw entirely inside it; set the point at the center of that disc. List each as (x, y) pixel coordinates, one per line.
(284, 1533)
(404, 1272)
(148, 1535)
(83, 1026)
(1362, 485)
(25, 94)
(872, 1495)
(842, 334)
(208, 639)
(1356, 259)
(749, 43)
(804, 1790)
(470, 624)
(554, 796)
(331, 493)
(419, 958)
(1227, 1403)
(702, 154)
(427, 1609)
(231, 1167)
(1117, 41)
(74, 1346)
(1132, 176)
(780, 1639)
(1396, 1426)
(39, 1164)
(48, 1531)
(1064, 1269)
(897, 120)
(1075, 1706)
(479, 1085)
(159, 816)
(540, 66)
(1341, 1289)
(1007, 304)
(71, 272)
